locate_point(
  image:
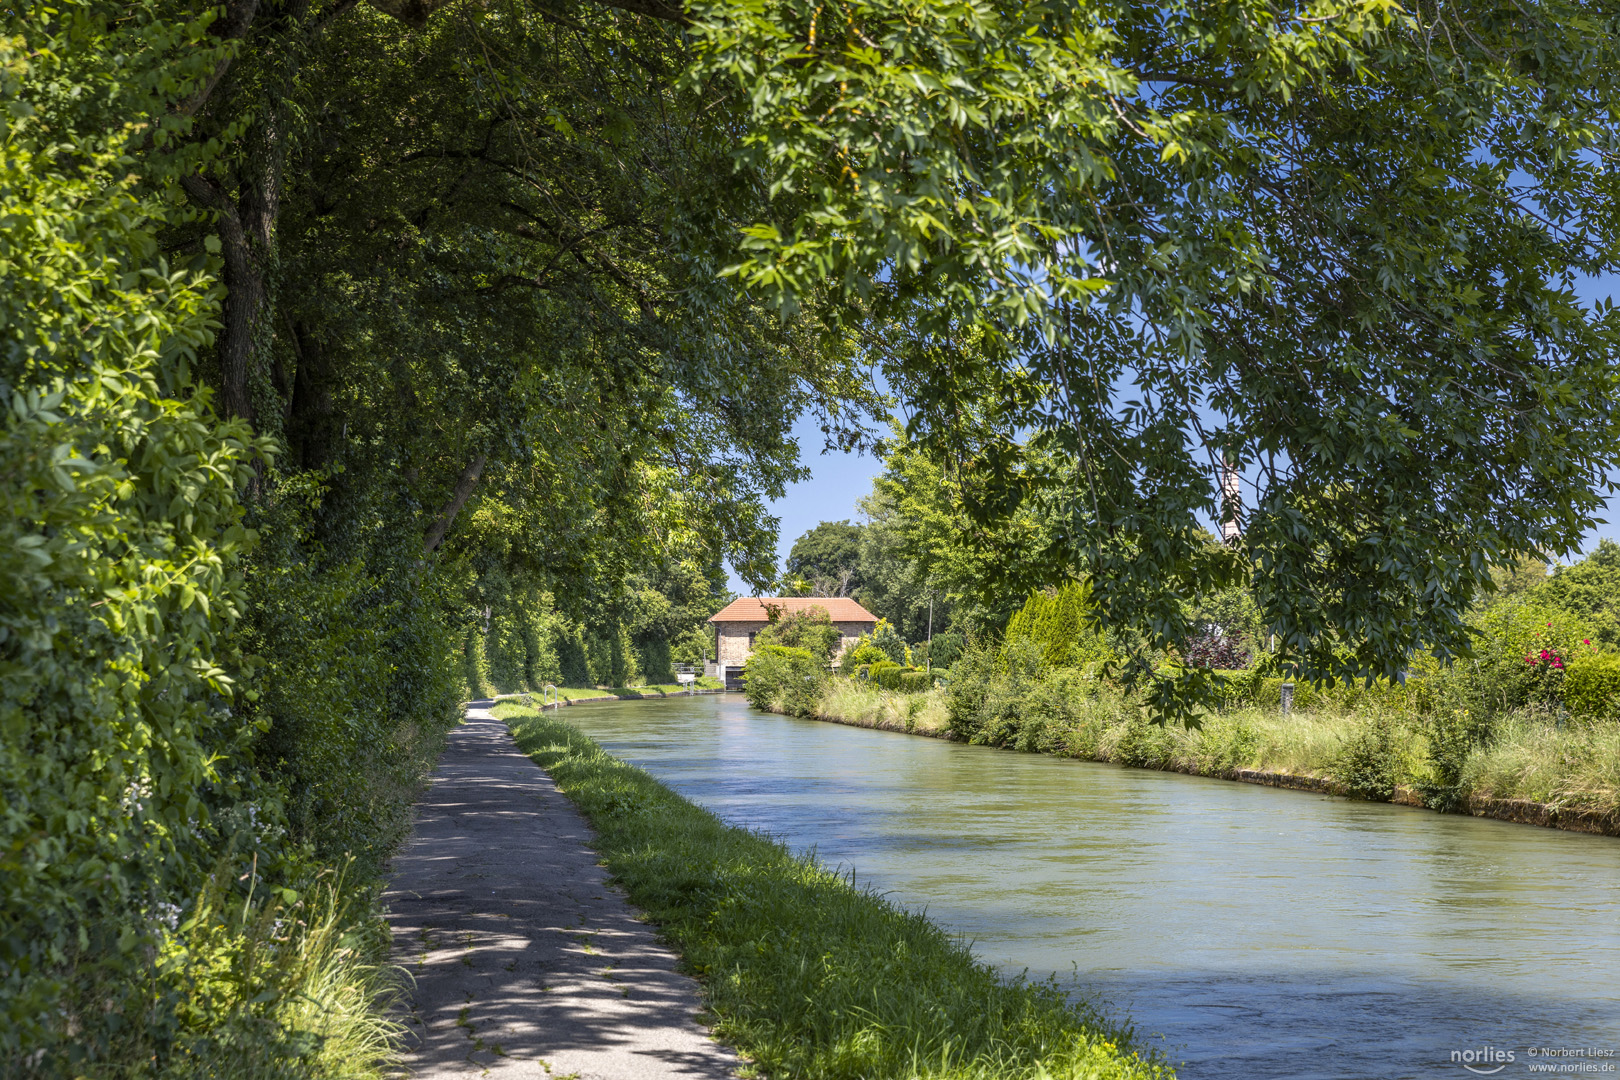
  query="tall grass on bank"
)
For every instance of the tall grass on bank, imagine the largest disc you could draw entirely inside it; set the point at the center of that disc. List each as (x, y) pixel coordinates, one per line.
(806, 974)
(859, 704)
(1534, 757)
(1372, 749)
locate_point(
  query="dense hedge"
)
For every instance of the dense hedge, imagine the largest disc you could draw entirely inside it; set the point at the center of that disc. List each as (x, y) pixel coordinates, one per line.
(1591, 687)
(202, 709)
(916, 682)
(119, 572)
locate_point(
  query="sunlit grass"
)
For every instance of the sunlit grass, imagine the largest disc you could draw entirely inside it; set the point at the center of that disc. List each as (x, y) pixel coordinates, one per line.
(280, 990)
(1534, 757)
(1527, 755)
(848, 701)
(611, 693)
(806, 974)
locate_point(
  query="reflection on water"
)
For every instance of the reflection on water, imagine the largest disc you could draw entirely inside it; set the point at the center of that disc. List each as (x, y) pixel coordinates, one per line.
(1259, 932)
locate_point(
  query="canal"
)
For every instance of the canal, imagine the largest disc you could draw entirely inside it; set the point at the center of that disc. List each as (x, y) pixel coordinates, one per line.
(1249, 932)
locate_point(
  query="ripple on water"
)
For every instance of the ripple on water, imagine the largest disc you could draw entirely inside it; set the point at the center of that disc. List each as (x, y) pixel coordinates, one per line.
(1257, 932)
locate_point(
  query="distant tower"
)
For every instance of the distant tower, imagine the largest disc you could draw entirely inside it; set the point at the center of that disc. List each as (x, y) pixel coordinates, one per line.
(1231, 503)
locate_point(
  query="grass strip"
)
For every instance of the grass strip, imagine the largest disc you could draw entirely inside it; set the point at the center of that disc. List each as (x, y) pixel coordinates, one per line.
(618, 693)
(806, 974)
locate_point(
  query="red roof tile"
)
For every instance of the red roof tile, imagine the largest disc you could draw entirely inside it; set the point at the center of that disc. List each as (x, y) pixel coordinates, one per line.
(752, 608)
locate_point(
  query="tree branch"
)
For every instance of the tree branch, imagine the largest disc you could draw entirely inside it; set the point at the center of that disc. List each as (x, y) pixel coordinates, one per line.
(458, 498)
(415, 13)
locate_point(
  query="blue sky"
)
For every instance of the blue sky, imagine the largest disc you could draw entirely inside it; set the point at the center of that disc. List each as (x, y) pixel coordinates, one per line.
(838, 479)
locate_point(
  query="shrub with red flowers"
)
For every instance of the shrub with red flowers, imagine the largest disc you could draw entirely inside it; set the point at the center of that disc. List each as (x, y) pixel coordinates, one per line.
(1524, 650)
(1550, 663)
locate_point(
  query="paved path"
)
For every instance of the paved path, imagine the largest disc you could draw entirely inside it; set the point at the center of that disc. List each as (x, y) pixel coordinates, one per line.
(527, 963)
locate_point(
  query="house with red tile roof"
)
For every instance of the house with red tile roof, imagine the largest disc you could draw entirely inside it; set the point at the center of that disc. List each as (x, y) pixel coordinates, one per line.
(739, 623)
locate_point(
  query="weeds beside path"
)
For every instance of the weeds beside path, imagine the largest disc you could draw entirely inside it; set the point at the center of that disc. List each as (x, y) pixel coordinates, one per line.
(806, 974)
(526, 964)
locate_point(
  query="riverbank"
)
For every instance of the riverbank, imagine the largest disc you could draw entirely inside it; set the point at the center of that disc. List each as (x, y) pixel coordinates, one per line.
(1535, 772)
(805, 973)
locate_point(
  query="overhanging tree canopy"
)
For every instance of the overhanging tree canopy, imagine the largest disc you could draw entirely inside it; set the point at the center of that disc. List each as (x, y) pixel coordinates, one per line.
(1098, 248)
(1333, 244)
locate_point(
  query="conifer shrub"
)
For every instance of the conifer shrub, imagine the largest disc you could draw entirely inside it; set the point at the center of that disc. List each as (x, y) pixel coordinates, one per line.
(1060, 625)
(945, 648)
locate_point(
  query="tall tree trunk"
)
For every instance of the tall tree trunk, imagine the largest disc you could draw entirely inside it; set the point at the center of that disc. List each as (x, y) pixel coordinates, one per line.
(247, 222)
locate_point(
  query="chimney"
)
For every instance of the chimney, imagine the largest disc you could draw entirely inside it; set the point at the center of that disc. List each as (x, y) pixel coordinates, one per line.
(1231, 502)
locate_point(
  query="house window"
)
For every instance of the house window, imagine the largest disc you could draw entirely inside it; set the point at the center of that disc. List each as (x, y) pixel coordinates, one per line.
(751, 636)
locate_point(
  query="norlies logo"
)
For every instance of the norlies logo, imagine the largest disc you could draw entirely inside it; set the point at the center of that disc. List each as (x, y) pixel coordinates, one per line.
(1486, 1061)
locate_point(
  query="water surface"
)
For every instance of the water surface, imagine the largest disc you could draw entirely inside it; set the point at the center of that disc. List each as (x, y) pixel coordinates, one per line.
(1252, 932)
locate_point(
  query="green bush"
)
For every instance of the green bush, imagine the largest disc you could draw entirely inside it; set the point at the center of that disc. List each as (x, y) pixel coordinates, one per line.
(886, 639)
(811, 629)
(944, 649)
(985, 702)
(1369, 763)
(191, 700)
(475, 675)
(879, 673)
(120, 539)
(1592, 687)
(893, 676)
(692, 647)
(784, 679)
(1238, 687)
(859, 657)
(1590, 590)
(609, 656)
(1508, 671)
(568, 642)
(653, 661)
(916, 682)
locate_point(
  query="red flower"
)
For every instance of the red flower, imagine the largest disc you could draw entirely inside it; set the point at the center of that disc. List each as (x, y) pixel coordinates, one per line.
(1586, 641)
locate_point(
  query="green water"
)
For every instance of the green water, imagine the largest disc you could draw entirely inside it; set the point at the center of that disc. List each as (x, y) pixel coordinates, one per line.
(1253, 932)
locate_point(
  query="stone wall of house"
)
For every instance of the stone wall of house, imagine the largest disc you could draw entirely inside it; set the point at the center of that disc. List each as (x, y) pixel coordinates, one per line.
(852, 632)
(734, 640)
